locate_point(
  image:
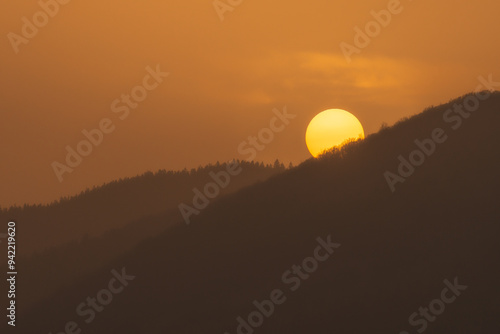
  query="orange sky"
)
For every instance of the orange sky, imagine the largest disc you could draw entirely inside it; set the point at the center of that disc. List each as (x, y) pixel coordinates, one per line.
(226, 77)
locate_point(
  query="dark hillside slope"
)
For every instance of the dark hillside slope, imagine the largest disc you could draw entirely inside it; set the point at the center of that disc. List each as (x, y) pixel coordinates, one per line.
(396, 248)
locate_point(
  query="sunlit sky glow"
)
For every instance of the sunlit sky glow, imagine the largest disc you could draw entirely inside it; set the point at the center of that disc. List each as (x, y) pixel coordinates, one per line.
(225, 79)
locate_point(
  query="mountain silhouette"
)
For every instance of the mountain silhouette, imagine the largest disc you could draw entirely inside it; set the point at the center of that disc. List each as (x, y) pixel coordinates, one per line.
(390, 249)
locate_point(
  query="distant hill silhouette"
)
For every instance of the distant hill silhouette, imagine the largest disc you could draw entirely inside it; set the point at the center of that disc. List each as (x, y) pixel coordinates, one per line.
(396, 248)
(77, 235)
(118, 203)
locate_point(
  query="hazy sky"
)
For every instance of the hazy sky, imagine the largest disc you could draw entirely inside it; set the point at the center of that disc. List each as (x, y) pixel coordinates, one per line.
(226, 77)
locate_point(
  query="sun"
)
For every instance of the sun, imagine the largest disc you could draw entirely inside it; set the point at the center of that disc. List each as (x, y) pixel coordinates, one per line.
(331, 128)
